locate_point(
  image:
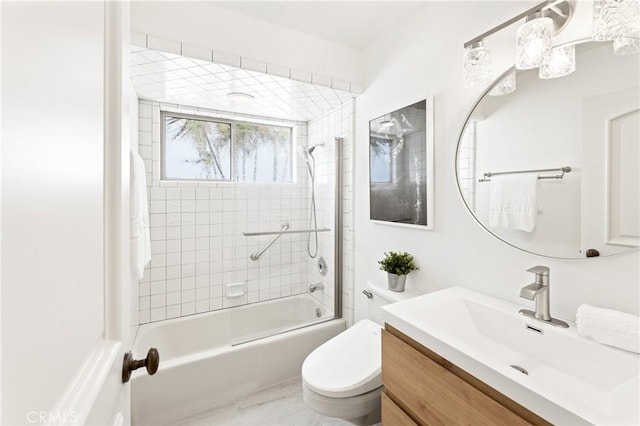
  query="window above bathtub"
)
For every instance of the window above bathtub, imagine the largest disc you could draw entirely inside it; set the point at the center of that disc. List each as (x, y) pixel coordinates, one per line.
(203, 148)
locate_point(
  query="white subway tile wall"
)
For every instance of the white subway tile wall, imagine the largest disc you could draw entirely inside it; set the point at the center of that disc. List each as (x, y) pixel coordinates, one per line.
(467, 164)
(196, 232)
(337, 123)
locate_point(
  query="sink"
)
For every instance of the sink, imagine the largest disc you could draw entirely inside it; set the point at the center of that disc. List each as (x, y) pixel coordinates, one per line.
(553, 372)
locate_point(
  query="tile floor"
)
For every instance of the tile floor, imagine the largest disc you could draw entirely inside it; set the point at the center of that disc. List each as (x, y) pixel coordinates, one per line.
(278, 405)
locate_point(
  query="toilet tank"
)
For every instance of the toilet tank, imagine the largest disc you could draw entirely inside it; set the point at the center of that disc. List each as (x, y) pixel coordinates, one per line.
(380, 295)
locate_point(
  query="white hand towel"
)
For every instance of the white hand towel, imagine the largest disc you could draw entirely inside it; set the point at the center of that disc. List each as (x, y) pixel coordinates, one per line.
(613, 328)
(140, 236)
(513, 202)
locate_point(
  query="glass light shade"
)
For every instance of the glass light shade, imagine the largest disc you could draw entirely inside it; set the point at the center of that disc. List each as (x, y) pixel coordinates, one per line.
(504, 86)
(560, 62)
(614, 19)
(533, 42)
(477, 66)
(626, 46)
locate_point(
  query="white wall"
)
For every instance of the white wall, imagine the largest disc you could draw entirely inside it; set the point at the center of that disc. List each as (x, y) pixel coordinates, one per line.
(424, 56)
(206, 25)
(52, 198)
(0, 215)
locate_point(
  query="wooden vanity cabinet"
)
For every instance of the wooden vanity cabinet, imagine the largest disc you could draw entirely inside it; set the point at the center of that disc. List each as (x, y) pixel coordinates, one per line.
(422, 388)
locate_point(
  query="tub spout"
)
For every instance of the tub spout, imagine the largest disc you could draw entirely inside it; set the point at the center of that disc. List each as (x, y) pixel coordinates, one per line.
(314, 287)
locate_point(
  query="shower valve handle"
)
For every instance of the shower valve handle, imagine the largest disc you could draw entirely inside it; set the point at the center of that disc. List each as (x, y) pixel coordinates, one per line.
(151, 363)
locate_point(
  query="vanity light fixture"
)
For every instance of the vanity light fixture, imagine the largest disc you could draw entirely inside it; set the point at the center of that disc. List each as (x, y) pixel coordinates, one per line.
(560, 62)
(477, 65)
(386, 123)
(533, 41)
(505, 86)
(240, 97)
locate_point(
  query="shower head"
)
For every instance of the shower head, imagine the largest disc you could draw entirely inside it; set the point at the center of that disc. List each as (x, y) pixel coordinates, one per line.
(312, 148)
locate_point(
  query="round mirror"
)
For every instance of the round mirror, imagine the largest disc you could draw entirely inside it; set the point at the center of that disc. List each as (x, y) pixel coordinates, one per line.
(552, 167)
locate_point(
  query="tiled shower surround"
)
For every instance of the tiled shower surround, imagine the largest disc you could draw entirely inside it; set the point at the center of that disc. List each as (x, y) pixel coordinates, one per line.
(324, 129)
(196, 230)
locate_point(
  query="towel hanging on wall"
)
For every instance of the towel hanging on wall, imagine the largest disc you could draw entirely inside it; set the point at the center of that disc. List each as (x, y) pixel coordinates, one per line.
(513, 202)
(140, 236)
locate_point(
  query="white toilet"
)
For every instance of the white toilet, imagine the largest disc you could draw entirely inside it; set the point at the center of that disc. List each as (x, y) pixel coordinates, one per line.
(343, 377)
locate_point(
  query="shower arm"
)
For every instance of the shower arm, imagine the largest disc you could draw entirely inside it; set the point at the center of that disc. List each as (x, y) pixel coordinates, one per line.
(256, 255)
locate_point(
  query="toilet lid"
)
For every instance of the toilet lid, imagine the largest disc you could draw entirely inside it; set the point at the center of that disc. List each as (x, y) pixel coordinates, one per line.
(347, 365)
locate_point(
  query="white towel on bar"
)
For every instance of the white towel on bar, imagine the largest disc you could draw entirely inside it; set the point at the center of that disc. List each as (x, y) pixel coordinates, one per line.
(513, 202)
(613, 328)
(140, 236)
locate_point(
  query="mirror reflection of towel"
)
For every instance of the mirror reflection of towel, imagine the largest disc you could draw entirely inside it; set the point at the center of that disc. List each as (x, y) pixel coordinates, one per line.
(513, 202)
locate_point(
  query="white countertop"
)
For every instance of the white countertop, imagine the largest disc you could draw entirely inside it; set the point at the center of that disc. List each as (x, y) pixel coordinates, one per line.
(571, 380)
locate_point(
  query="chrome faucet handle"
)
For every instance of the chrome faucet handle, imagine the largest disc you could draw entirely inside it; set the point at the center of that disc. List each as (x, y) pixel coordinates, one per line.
(539, 270)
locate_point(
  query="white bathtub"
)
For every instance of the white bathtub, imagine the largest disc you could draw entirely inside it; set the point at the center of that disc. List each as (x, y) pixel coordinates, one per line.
(204, 364)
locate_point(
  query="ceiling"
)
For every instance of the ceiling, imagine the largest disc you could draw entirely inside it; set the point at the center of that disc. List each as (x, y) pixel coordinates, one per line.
(353, 23)
(175, 79)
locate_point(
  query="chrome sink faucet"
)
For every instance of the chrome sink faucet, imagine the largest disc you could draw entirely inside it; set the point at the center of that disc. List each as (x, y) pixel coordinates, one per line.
(538, 291)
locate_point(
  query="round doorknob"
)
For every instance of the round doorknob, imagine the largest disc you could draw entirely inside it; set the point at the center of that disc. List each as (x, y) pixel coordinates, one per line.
(151, 363)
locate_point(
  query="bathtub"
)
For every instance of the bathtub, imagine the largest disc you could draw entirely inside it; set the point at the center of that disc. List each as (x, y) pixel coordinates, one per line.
(213, 358)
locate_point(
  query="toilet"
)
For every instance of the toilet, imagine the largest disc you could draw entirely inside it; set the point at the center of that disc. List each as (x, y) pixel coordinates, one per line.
(343, 377)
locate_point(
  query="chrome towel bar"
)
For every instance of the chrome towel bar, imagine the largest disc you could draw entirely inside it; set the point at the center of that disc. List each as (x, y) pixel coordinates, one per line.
(293, 231)
(561, 170)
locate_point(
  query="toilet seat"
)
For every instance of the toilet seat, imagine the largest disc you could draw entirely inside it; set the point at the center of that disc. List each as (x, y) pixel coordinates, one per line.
(348, 365)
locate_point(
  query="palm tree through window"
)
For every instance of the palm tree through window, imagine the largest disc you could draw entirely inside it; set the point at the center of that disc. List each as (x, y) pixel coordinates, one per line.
(203, 148)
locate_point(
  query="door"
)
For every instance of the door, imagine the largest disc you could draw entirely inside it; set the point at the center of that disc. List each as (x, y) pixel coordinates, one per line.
(610, 172)
(64, 220)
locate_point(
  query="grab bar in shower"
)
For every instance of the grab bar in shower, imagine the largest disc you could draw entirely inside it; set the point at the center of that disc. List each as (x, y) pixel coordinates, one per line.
(293, 231)
(256, 255)
(561, 170)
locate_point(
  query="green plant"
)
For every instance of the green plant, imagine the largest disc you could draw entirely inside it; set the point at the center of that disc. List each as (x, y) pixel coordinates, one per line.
(399, 263)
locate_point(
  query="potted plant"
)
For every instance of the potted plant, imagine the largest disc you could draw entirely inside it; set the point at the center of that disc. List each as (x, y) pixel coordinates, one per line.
(397, 265)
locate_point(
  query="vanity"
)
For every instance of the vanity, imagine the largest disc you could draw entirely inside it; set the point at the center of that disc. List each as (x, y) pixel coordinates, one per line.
(457, 356)
(434, 391)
